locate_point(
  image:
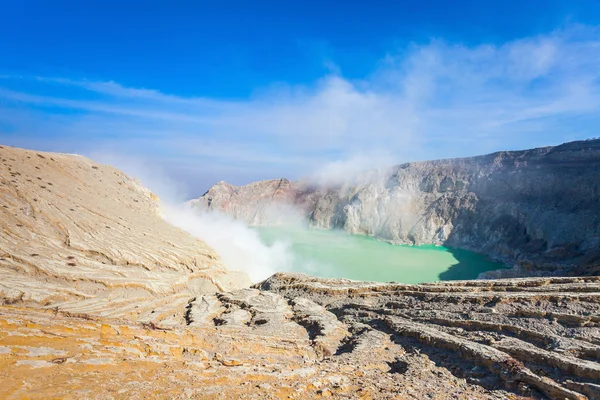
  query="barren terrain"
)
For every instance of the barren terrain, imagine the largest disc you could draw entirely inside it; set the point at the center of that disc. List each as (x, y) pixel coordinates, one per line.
(102, 299)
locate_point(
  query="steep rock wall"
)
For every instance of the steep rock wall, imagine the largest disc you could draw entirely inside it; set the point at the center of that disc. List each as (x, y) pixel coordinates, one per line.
(539, 208)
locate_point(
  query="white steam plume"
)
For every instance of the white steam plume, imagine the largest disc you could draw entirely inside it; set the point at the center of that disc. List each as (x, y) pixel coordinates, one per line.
(358, 169)
(240, 247)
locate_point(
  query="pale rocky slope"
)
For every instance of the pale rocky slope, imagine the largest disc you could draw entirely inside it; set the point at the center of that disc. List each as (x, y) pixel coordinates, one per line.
(539, 208)
(85, 237)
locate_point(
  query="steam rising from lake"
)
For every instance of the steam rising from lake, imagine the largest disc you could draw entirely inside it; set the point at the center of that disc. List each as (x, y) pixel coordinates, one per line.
(293, 247)
(240, 247)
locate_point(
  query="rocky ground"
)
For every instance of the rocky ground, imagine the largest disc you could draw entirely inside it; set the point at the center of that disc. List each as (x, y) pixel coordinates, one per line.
(299, 337)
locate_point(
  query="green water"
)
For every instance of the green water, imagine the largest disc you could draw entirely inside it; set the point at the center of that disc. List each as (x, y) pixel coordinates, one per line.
(339, 255)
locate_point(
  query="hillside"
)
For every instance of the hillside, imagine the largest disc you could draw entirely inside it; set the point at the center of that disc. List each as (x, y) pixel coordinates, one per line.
(86, 238)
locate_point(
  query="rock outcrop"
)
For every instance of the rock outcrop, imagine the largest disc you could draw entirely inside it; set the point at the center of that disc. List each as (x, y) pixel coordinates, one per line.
(538, 208)
(85, 237)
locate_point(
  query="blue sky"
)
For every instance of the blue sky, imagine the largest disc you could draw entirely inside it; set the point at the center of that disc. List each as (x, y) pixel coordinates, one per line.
(240, 91)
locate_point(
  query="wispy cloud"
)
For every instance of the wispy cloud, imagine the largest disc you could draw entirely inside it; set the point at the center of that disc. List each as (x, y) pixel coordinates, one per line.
(429, 100)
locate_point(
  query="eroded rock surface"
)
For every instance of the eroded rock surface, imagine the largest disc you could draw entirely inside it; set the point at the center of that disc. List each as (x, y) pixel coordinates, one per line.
(293, 336)
(534, 336)
(539, 208)
(86, 238)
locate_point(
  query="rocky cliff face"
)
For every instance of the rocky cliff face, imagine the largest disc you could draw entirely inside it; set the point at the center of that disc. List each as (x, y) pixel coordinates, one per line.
(539, 208)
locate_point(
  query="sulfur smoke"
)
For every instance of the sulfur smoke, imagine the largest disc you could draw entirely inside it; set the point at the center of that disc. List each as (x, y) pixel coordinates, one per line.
(240, 247)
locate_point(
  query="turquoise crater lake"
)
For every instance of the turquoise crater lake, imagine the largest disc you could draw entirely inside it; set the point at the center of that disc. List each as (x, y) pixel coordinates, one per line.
(339, 255)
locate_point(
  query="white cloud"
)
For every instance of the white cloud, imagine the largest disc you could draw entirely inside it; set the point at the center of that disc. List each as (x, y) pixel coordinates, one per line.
(433, 100)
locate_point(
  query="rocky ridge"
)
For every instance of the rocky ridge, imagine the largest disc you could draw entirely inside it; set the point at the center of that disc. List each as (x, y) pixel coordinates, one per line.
(539, 208)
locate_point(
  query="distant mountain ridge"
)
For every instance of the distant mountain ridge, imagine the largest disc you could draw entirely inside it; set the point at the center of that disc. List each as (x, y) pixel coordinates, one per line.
(539, 208)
